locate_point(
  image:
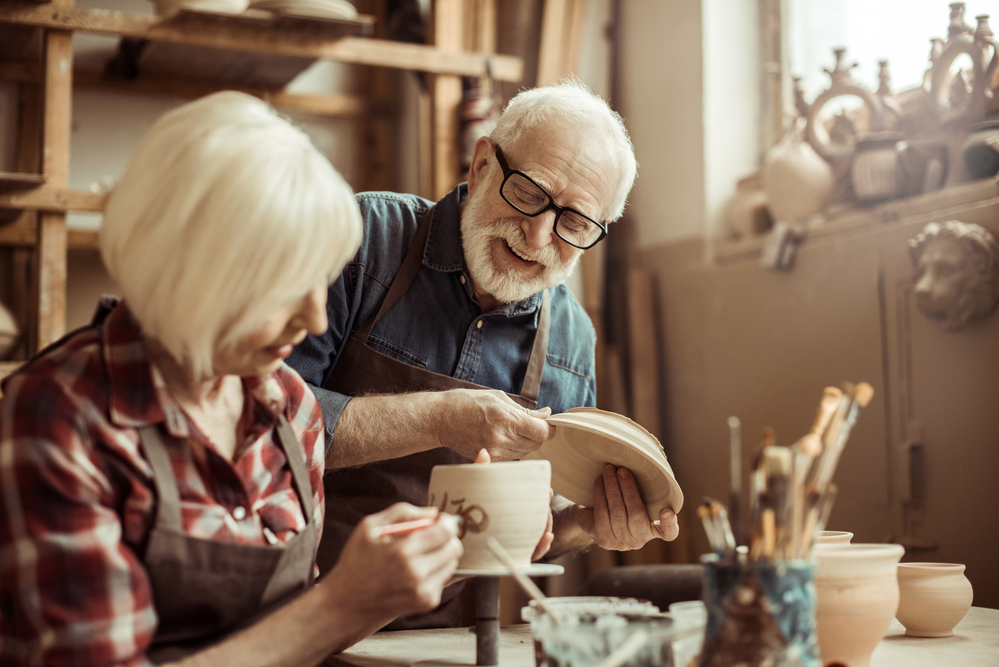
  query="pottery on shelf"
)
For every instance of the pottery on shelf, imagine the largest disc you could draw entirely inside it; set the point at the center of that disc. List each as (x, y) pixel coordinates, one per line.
(856, 589)
(508, 501)
(586, 439)
(746, 211)
(981, 149)
(796, 180)
(933, 598)
(833, 537)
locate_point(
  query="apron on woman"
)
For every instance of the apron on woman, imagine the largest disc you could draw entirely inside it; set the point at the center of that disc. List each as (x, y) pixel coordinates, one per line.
(352, 494)
(204, 590)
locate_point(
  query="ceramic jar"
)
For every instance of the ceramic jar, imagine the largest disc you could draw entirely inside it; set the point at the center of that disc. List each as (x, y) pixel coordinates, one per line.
(833, 537)
(933, 598)
(746, 211)
(856, 590)
(508, 501)
(797, 181)
(981, 150)
(875, 172)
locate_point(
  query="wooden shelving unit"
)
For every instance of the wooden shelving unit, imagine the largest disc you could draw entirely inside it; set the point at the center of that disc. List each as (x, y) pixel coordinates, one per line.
(36, 52)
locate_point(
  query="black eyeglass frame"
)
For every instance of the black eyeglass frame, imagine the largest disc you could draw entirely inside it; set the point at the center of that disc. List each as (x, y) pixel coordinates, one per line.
(508, 172)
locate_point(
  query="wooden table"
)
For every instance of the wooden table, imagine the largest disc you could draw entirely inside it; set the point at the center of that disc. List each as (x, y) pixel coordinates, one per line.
(975, 644)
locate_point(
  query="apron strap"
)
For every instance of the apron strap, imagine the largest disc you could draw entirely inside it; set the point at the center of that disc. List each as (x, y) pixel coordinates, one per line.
(167, 493)
(295, 454)
(536, 365)
(404, 278)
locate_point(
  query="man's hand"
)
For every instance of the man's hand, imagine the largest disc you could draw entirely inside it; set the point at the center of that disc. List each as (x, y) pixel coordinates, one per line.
(619, 520)
(467, 420)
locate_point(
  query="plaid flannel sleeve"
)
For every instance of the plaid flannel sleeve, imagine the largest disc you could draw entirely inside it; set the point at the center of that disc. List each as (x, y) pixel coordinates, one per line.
(71, 592)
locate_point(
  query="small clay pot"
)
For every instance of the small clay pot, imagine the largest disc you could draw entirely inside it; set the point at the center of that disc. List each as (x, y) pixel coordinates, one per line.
(833, 537)
(933, 598)
(856, 591)
(508, 501)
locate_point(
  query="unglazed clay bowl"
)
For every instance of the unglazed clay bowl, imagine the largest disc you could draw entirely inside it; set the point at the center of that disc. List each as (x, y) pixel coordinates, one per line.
(586, 439)
(856, 595)
(933, 598)
(508, 501)
(833, 537)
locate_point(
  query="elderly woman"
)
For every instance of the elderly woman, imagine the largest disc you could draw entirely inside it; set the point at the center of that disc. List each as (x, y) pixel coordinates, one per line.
(161, 491)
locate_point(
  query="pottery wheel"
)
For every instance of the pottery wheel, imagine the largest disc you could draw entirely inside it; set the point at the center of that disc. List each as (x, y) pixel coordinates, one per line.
(587, 438)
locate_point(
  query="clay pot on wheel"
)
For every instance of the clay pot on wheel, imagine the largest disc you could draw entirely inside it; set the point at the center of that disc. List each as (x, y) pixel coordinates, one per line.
(508, 501)
(933, 598)
(856, 590)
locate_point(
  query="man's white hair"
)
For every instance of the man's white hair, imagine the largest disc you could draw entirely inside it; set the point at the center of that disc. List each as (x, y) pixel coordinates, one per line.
(225, 213)
(571, 102)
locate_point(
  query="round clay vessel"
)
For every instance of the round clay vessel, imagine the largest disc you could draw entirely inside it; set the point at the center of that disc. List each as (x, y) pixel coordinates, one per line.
(508, 501)
(933, 598)
(833, 537)
(796, 180)
(856, 590)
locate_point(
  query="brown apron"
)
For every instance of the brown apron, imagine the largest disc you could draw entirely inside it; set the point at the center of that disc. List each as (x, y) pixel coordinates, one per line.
(353, 493)
(203, 589)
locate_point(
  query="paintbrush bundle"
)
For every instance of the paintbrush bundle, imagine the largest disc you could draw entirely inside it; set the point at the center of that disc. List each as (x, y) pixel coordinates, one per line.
(791, 491)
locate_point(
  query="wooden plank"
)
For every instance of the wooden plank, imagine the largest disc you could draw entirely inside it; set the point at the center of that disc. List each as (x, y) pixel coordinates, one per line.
(13, 181)
(550, 50)
(50, 248)
(339, 105)
(47, 198)
(446, 98)
(357, 50)
(23, 233)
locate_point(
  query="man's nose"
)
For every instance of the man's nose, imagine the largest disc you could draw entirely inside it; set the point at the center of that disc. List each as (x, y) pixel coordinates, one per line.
(539, 230)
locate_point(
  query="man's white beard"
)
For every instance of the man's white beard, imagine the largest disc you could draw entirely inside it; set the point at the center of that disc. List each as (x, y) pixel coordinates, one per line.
(507, 285)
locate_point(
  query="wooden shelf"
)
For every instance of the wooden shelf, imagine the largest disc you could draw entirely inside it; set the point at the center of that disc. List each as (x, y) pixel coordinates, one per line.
(240, 37)
(57, 200)
(11, 181)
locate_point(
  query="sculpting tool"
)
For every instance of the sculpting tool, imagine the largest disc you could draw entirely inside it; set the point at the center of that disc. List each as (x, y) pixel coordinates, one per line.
(806, 450)
(525, 583)
(777, 469)
(406, 527)
(626, 651)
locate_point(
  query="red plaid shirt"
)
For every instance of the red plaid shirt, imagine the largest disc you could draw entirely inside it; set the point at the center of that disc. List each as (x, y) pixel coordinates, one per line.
(77, 497)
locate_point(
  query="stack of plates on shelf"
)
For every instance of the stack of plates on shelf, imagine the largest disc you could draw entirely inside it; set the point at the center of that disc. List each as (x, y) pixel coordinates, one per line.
(587, 438)
(325, 9)
(167, 7)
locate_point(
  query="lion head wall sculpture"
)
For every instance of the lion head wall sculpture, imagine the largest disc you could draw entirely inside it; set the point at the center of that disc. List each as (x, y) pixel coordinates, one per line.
(956, 272)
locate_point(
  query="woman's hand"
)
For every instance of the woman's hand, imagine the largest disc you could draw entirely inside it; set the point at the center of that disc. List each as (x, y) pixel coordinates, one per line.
(378, 579)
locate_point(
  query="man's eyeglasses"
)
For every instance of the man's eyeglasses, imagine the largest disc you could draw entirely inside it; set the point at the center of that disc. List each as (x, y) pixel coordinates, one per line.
(521, 192)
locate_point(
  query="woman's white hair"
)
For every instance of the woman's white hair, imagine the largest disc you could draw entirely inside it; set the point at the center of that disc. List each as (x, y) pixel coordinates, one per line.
(573, 103)
(225, 213)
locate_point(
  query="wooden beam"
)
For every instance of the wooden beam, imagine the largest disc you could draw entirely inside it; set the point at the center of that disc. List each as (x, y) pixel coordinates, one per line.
(55, 200)
(50, 247)
(446, 91)
(357, 50)
(23, 233)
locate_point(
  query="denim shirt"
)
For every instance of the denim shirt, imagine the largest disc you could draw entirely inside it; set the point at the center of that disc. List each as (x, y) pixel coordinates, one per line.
(438, 325)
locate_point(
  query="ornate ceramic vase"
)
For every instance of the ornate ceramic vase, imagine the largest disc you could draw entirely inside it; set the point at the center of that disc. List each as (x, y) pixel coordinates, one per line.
(508, 501)
(933, 598)
(856, 591)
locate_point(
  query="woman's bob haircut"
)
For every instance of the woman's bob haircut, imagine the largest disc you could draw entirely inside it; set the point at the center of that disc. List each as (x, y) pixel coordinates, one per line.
(225, 213)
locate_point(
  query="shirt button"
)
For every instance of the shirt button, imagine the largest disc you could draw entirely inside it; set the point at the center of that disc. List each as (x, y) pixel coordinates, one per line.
(239, 513)
(478, 325)
(462, 279)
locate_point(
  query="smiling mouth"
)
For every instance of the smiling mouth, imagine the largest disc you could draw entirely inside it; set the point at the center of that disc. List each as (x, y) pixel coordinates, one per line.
(517, 254)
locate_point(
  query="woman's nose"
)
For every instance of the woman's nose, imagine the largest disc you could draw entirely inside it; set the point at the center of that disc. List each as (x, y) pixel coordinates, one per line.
(312, 313)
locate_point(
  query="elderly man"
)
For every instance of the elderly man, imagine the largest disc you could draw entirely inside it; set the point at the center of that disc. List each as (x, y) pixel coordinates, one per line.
(452, 325)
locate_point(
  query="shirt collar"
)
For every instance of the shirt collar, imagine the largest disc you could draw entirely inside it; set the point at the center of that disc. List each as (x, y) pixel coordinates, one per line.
(444, 252)
(138, 395)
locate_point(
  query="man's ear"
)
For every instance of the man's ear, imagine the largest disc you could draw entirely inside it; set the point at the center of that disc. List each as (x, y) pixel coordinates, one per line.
(480, 163)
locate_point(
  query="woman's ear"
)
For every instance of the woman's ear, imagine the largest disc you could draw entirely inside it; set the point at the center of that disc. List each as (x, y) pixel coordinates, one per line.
(480, 162)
